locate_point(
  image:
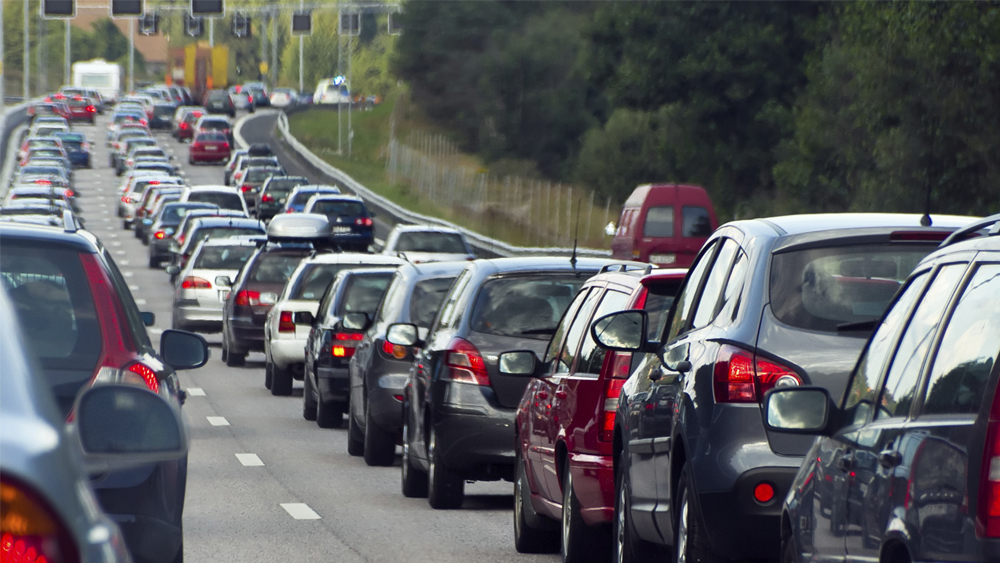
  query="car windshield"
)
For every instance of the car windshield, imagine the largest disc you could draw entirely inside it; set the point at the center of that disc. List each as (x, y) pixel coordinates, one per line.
(825, 288)
(225, 200)
(524, 306)
(339, 208)
(277, 268)
(426, 300)
(223, 257)
(429, 241)
(363, 293)
(302, 198)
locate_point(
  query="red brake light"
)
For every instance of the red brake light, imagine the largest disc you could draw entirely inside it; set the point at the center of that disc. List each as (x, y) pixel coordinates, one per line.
(145, 377)
(91, 109)
(249, 98)
(158, 235)
(285, 323)
(248, 298)
(245, 188)
(184, 125)
(363, 222)
(194, 282)
(918, 236)
(740, 377)
(763, 493)
(266, 197)
(43, 182)
(466, 363)
(70, 193)
(988, 513)
(619, 363)
(30, 532)
(394, 350)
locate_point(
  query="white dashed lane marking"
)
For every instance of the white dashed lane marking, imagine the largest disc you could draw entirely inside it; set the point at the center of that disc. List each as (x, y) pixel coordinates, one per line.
(300, 511)
(196, 392)
(250, 460)
(134, 287)
(217, 420)
(140, 301)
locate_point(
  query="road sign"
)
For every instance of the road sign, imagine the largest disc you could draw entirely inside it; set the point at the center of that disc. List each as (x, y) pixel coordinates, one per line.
(302, 23)
(208, 7)
(58, 9)
(126, 8)
(263, 67)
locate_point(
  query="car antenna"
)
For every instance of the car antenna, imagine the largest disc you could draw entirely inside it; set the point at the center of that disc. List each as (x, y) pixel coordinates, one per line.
(576, 233)
(926, 221)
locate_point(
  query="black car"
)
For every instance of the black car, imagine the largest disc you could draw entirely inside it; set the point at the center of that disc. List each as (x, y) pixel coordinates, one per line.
(378, 369)
(352, 224)
(78, 318)
(458, 409)
(163, 116)
(164, 225)
(202, 228)
(906, 466)
(219, 101)
(768, 303)
(252, 180)
(273, 194)
(332, 344)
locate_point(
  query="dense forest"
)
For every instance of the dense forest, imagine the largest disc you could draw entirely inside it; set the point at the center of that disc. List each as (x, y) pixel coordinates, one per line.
(773, 106)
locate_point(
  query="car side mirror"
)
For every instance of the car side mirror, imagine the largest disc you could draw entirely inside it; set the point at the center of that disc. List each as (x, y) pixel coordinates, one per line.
(223, 281)
(148, 319)
(798, 410)
(183, 350)
(677, 358)
(303, 318)
(403, 334)
(624, 331)
(520, 362)
(356, 321)
(122, 426)
(172, 270)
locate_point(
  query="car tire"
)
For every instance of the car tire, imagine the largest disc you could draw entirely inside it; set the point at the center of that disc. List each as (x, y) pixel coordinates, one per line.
(268, 375)
(233, 358)
(154, 262)
(413, 482)
(308, 404)
(126, 225)
(690, 541)
(789, 554)
(580, 543)
(190, 161)
(281, 381)
(529, 536)
(355, 439)
(446, 488)
(627, 546)
(380, 446)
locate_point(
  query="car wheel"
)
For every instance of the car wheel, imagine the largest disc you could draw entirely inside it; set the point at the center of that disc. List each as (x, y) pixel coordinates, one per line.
(281, 381)
(126, 225)
(179, 558)
(355, 439)
(529, 537)
(447, 487)
(235, 358)
(224, 355)
(268, 375)
(690, 542)
(580, 542)
(628, 546)
(190, 161)
(308, 403)
(380, 446)
(154, 262)
(788, 552)
(412, 480)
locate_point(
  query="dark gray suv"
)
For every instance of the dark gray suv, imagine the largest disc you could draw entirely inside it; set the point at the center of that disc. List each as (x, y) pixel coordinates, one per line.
(768, 303)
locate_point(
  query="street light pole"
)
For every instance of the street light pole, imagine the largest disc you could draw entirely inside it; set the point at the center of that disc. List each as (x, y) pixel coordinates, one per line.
(301, 51)
(26, 74)
(131, 54)
(66, 49)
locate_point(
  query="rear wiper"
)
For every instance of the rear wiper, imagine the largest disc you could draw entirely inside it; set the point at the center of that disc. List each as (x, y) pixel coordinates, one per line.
(868, 325)
(551, 330)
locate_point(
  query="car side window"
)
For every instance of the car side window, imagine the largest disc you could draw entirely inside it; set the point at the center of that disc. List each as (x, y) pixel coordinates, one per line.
(323, 311)
(904, 371)
(708, 305)
(591, 355)
(861, 392)
(732, 294)
(133, 318)
(969, 348)
(684, 303)
(555, 344)
(575, 334)
(393, 298)
(448, 309)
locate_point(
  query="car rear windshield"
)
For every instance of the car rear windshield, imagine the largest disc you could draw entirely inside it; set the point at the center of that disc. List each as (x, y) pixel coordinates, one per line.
(302, 198)
(659, 298)
(363, 293)
(339, 208)
(211, 137)
(172, 214)
(79, 103)
(214, 125)
(659, 222)
(277, 268)
(444, 243)
(222, 232)
(524, 306)
(50, 292)
(283, 187)
(426, 300)
(826, 288)
(223, 257)
(696, 222)
(258, 175)
(311, 284)
(164, 111)
(225, 200)
(70, 137)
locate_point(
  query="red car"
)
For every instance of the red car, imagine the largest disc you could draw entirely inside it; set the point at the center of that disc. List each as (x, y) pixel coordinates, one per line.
(209, 146)
(185, 129)
(565, 421)
(49, 107)
(82, 109)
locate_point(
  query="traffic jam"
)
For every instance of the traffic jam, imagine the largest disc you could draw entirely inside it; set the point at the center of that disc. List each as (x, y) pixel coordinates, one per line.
(796, 388)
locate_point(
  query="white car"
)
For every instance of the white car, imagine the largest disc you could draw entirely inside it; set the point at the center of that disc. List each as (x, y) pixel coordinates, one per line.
(283, 97)
(285, 340)
(421, 243)
(199, 297)
(223, 196)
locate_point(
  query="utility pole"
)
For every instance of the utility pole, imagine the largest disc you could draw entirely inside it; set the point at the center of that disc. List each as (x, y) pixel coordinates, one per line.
(131, 54)
(350, 94)
(340, 57)
(263, 42)
(211, 33)
(66, 62)
(26, 75)
(301, 51)
(3, 80)
(273, 67)
(43, 57)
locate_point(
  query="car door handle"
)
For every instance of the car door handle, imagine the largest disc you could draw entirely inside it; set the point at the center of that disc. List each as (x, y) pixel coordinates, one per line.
(846, 462)
(890, 458)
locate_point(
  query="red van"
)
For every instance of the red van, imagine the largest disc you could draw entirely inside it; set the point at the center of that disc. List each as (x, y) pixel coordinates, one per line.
(648, 228)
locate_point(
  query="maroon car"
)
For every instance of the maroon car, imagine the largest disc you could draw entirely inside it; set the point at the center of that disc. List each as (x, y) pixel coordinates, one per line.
(185, 129)
(82, 109)
(209, 146)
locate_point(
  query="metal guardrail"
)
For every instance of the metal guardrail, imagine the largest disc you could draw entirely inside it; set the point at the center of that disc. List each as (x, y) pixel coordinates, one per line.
(404, 215)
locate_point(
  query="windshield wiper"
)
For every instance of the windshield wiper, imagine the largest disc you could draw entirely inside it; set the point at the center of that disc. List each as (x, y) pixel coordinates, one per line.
(551, 330)
(868, 325)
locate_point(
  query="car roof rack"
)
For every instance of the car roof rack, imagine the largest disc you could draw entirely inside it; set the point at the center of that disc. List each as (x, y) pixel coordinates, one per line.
(69, 221)
(991, 223)
(626, 268)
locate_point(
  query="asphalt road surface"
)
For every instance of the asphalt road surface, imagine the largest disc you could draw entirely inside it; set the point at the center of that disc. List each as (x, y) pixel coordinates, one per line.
(264, 484)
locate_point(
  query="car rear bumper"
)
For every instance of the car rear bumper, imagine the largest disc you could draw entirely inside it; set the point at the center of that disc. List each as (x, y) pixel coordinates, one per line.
(208, 156)
(475, 436)
(199, 315)
(334, 384)
(286, 352)
(386, 409)
(594, 485)
(244, 335)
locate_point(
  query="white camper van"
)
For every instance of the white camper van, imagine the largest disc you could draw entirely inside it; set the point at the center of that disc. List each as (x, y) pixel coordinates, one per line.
(100, 75)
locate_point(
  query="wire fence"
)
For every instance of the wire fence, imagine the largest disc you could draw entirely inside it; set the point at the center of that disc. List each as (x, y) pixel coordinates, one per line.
(524, 211)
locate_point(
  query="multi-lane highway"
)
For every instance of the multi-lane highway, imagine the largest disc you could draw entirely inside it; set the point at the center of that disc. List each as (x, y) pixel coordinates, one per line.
(264, 484)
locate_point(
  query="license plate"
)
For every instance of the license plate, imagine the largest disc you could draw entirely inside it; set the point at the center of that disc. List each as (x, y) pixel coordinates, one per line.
(223, 295)
(663, 258)
(341, 229)
(211, 148)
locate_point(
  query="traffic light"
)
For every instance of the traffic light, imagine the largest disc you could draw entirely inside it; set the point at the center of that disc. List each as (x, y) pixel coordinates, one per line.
(241, 25)
(149, 24)
(58, 8)
(193, 27)
(302, 23)
(126, 8)
(208, 7)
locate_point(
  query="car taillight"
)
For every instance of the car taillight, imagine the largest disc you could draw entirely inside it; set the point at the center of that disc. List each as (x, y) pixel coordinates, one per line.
(248, 298)
(184, 125)
(285, 323)
(466, 363)
(196, 145)
(245, 188)
(159, 235)
(139, 374)
(70, 193)
(988, 513)
(363, 222)
(266, 198)
(620, 363)
(126, 199)
(741, 377)
(194, 282)
(30, 531)
(395, 351)
(91, 109)
(43, 182)
(250, 98)
(345, 344)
